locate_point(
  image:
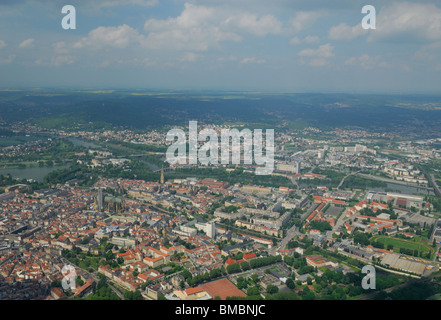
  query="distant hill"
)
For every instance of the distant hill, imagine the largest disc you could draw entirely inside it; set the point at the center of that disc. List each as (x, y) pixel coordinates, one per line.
(138, 110)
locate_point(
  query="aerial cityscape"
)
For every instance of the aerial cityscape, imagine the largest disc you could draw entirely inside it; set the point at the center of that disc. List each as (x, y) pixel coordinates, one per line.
(116, 184)
(134, 226)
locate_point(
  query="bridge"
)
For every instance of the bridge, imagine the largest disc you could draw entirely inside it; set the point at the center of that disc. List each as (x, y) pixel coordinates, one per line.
(139, 155)
(435, 186)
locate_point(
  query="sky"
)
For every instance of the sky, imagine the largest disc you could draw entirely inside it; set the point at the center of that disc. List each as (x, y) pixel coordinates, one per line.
(233, 45)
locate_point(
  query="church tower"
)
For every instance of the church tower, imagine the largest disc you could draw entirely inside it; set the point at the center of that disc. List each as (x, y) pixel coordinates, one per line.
(162, 176)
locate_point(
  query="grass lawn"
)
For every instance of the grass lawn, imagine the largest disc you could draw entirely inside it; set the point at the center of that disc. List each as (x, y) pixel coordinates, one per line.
(402, 243)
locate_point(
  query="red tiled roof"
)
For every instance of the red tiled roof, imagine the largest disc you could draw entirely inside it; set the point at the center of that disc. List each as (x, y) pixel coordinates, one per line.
(191, 291)
(249, 256)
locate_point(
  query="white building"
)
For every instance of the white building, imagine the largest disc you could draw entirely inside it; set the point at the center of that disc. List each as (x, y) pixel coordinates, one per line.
(209, 228)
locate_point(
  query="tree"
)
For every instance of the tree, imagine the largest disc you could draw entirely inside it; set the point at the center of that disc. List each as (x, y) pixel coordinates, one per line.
(253, 291)
(361, 238)
(233, 268)
(290, 283)
(308, 294)
(272, 289)
(79, 282)
(241, 283)
(245, 266)
(186, 274)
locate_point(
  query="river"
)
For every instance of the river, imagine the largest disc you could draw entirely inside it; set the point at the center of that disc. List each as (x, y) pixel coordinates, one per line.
(82, 143)
(35, 173)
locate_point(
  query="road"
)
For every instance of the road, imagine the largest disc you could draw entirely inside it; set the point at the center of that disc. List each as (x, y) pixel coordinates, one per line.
(343, 180)
(294, 181)
(435, 185)
(292, 232)
(368, 176)
(118, 293)
(159, 209)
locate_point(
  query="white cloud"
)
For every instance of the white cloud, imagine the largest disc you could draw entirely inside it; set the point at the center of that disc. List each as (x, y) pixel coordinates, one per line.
(408, 22)
(295, 41)
(429, 52)
(60, 47)
(366, 62)
(7, 60)
(28, 43)
(318, 62)
(190, 57)
(311, 39)
(307, 39)
(346, 32)
(323, 51)
(267, 24)
(2, 44)
(318, 57)
(200, 27)
(55, 61)
(105, 63)
(112, 3)
(252, 60)
(196, 28)
(192, 16)
(305, 19)
(115, 37)
(229, 58)
(62, 60)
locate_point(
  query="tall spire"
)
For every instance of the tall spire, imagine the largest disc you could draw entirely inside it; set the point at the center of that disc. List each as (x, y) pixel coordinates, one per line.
(162, 176)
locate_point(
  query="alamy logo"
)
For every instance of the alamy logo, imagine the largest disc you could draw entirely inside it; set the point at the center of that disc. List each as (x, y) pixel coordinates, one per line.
(69, 277)
(253, 144)
(370, 20)
(69, 20)
(368, 281)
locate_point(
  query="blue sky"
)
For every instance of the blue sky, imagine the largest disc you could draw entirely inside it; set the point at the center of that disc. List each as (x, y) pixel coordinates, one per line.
(255, 45)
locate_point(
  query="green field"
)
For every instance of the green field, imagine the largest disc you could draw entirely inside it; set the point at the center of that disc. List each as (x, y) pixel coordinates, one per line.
(402, 243)
(15, 140)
